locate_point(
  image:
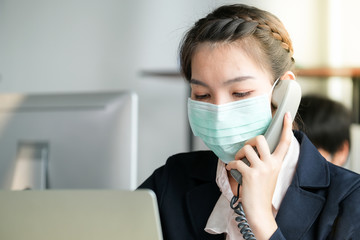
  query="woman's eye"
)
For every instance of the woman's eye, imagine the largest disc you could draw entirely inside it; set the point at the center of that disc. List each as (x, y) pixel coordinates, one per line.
(241, 94)
(201, 96)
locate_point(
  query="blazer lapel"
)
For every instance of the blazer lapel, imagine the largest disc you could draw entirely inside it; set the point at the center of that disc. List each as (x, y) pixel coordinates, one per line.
(201, 199)
(298, 212)
(304, 199)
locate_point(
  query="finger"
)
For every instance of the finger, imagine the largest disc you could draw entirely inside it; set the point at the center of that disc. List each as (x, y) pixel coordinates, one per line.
(261, 146)
(249, 153)
(238, 165)
(285, 138)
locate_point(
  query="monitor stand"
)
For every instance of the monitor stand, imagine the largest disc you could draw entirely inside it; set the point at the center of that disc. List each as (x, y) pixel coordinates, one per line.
(31, 166)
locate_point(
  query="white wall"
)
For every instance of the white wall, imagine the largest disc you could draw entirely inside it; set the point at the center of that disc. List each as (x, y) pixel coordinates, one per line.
(65, 45)
(344, 17)
(85, 45)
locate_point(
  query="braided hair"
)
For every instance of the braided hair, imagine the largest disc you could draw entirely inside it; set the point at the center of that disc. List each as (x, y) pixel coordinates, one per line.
(260, 33)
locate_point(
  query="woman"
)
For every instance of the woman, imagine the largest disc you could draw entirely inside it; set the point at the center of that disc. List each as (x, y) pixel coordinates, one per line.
(232, 58)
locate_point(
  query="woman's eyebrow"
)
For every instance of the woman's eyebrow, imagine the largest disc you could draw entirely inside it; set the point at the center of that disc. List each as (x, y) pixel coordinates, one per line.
(238, 79)
(198, 82)
(228, 82)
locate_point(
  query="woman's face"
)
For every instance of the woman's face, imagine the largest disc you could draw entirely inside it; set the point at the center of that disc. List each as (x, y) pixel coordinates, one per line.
(224, 73)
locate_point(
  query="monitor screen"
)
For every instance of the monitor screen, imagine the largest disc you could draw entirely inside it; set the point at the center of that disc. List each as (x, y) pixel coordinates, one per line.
(68, 141)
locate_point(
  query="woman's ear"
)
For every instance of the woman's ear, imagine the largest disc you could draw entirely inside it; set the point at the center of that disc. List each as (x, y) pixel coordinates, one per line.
(289, 75)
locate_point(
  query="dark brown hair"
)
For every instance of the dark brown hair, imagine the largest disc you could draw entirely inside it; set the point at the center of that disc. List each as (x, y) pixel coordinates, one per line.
(260, 33)
(326, 122)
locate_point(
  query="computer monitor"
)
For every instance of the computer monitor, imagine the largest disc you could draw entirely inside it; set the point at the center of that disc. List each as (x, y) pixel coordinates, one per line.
(79, 215)
(354, 161)
(68, 141)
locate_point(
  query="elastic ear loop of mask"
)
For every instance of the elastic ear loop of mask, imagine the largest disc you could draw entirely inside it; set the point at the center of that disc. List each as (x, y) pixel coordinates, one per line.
(273, 86)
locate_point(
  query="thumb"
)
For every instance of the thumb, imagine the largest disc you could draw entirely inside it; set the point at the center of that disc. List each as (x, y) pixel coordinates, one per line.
(285, 138)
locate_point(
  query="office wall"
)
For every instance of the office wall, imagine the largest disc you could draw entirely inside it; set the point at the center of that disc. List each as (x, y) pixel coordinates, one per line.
(104, 44)
(86, 45)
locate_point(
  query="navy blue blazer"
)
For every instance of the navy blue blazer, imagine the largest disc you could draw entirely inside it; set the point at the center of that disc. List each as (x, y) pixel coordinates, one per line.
(322, 202)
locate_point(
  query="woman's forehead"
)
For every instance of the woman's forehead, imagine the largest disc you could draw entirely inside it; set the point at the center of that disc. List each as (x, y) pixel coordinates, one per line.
(227, 60)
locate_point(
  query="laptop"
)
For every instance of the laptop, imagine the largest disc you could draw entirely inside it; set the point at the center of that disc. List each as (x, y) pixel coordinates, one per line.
(79, 215)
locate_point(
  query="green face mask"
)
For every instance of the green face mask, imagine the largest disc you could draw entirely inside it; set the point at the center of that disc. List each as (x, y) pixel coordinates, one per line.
(225, 128)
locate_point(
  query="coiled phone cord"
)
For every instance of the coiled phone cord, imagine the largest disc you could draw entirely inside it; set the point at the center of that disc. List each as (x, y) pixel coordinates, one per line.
(243, 225)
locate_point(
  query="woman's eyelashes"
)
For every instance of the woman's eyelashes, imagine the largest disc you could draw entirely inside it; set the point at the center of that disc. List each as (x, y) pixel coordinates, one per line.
(201, 96)
(235, 95)
(241, 94)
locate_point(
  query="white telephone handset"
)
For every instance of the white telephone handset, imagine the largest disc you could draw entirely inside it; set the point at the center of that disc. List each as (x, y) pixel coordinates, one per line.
(286, 97)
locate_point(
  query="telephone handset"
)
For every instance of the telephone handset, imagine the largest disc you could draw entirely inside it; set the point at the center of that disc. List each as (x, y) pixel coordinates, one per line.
(286, 97)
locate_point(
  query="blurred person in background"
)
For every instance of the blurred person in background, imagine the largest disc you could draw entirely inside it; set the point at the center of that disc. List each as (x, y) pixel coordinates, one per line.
(327, 124)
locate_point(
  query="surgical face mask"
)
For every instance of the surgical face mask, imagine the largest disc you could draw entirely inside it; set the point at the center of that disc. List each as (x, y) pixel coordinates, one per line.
(225, 128)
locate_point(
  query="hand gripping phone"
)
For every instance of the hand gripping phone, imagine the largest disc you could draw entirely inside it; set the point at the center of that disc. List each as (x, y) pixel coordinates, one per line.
(286, 98)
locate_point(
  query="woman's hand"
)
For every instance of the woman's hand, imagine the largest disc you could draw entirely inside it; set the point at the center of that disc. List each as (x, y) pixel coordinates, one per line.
(259, 179)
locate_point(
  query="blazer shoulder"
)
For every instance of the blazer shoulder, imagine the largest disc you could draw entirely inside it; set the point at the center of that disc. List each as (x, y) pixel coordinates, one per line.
(192, 158)
(182, 167)
(198, 164)
(345, 186)
(344, 178)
